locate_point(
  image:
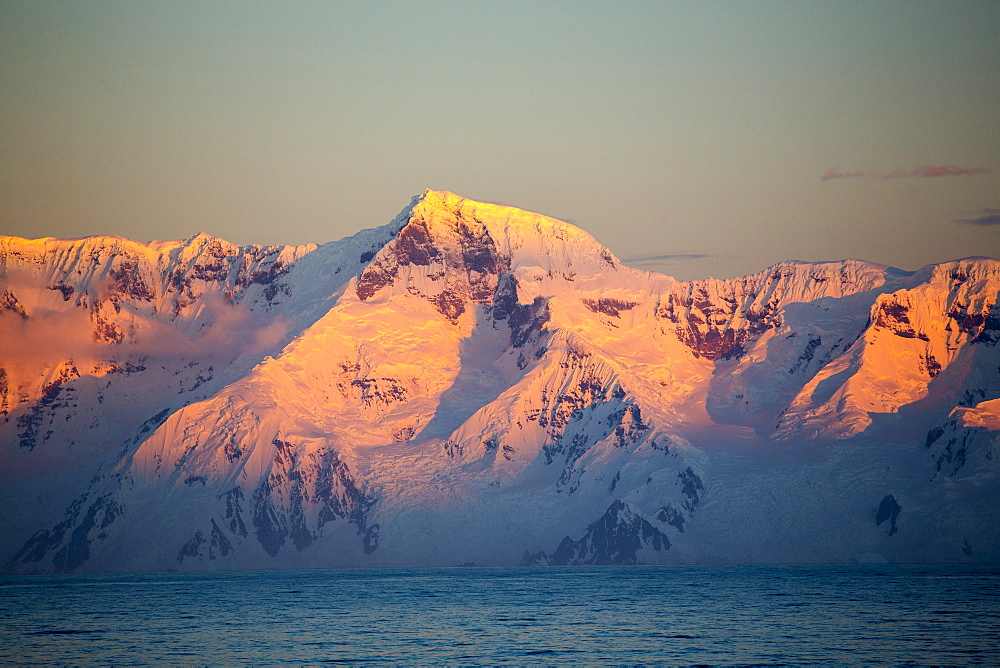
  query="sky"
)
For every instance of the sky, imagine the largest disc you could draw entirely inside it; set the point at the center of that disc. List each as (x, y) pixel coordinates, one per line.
(693, 138)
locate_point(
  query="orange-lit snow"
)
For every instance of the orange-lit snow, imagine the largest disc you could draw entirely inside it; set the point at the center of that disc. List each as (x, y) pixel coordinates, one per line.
(475, 372)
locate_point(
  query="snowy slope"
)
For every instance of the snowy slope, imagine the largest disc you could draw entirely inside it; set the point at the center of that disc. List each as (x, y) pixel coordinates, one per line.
(102, 338)
(473, 383)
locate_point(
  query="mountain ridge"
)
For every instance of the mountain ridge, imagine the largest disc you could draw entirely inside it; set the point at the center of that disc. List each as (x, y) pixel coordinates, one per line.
(473, 383)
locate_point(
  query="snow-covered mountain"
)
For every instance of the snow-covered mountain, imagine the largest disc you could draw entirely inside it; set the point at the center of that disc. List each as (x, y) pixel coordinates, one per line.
(473, 383)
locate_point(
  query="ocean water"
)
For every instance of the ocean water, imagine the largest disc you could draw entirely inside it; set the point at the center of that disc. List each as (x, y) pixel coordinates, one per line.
(520, 616)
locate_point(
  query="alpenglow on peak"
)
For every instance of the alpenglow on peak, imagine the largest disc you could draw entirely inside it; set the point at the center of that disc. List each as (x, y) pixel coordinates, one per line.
(475, 383)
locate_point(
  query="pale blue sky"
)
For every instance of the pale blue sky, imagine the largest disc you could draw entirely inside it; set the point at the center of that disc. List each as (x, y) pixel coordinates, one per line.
(695, 133)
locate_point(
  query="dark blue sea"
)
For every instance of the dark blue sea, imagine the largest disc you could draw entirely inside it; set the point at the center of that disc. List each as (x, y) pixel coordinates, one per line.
(893, 614)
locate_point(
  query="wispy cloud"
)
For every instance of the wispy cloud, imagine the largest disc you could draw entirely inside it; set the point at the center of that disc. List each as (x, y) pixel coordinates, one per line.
(920, 172)
(835, 173)
(673, 257)
(935, 171)
(990, 217)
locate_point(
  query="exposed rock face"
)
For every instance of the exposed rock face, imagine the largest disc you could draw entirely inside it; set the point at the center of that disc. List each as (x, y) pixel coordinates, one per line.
(616, 538)
(968, 442)
(470, 383)
(888, 511)
(302, 493)
(459, 260)
(721, 319)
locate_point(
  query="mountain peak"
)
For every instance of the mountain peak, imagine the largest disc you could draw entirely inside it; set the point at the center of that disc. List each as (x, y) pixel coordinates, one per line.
(444, 207)
(448, 236)
(499, 219)
(446, 201)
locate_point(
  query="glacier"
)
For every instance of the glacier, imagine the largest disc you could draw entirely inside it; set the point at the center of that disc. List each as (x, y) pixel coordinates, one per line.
(476, 384)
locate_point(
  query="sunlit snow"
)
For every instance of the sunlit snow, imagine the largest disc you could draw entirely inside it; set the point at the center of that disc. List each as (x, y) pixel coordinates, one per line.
(472, 383)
